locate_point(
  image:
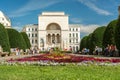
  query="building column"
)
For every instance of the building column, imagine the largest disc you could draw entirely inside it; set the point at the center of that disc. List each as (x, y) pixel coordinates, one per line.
(56, 40)
(47, 38)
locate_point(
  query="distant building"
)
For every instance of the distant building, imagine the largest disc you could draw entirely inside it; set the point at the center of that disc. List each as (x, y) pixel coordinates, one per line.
(32, 32)
(54, 30)
(5, 20)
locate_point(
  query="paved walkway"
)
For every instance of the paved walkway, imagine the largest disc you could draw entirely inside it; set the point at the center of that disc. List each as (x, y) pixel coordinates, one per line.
(96, 56)
(16, 57)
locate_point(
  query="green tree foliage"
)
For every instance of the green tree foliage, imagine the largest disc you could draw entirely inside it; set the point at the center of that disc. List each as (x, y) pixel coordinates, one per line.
(89, 43)
(93, 39)
(27, 41)
(83, 42)
(109, 33)
(97, 38)
(16, 39)
(4, 40)
(117, 34)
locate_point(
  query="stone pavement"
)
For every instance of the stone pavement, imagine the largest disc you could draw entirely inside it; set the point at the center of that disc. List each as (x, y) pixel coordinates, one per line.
(97, 56)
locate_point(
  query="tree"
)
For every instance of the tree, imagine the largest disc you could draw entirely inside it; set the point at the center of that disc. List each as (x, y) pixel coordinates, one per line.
(83, 43)
(16, 39)
(109, 34)
(117, 34)
(89, 43)
(4, 40)
(26, 39)
(96, 38)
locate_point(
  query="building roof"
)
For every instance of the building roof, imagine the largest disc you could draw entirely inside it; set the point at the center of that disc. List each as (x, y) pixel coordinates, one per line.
(75, 25)
(53, 13)
(5, 16)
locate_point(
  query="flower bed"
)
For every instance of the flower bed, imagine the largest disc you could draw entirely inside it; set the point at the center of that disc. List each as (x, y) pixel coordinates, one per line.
(66, 58)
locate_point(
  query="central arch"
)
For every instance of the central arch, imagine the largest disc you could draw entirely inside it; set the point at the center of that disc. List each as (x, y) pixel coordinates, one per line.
(53, 26)
(53, 37)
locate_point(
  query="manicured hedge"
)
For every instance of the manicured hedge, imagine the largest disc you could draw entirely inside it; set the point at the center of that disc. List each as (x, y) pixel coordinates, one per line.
(16, 39)
(97, 38)
(93, 39)
(4, 40)
(109, 34)
(117, 34)
(27, 41)
(83, 42)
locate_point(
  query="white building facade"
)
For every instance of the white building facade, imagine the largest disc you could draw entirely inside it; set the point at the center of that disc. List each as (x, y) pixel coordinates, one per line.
(5, 20)
(31, 31)
(54, 30)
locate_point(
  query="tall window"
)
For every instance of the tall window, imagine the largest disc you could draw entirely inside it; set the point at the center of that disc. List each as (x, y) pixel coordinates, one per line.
(29, 35)
(32, 29)
(35, 35)
(76, 29)
(29, 29)
(32, 41)
(32, 35)
(36, 41)
(73, 35)
(76, 40)
(76, 34)
(70, 35)
(73, 29)
(70, 40)
(35, 29)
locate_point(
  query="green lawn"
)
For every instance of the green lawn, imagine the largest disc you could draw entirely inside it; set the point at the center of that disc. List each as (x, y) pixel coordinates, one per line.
(59, 72)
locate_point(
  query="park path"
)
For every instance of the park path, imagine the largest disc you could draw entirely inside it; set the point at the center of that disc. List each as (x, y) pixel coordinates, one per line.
(16, 57)
(97, 56)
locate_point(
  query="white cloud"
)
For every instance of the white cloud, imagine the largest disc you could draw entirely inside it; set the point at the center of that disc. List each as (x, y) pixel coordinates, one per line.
(14, 14)
(18, 28)
(87, 29)
(92, 6)
(33, 5)
(75, 20)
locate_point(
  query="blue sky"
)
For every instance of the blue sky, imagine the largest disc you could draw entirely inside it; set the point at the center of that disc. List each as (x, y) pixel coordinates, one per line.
(89, 13)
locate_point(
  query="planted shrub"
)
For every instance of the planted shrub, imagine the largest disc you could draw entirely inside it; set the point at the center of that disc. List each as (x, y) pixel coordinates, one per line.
(16, 40)
(83, 43)
(26, 39)
(4, 40)
(109, 34)
(97, 38)
(117, 34)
